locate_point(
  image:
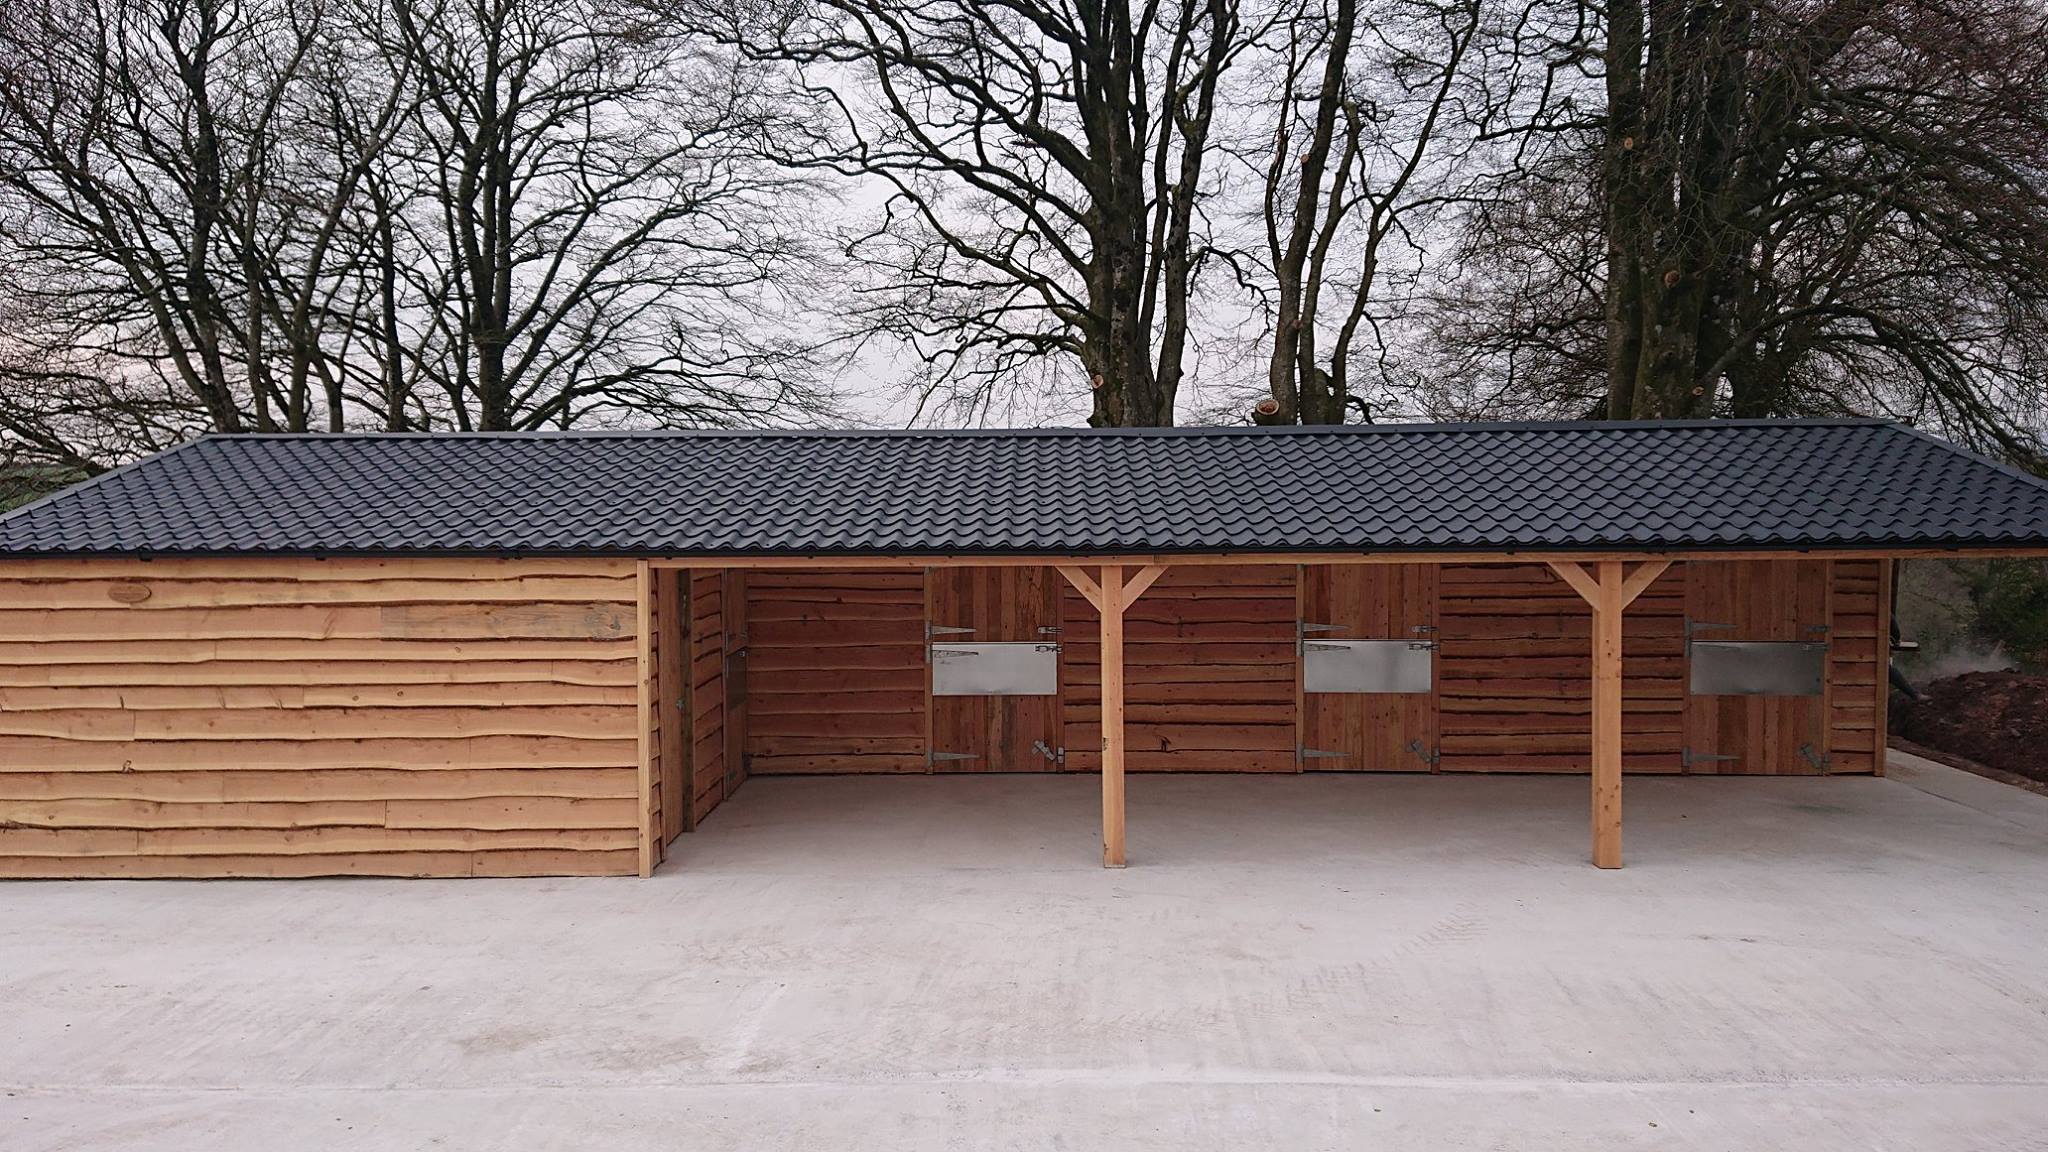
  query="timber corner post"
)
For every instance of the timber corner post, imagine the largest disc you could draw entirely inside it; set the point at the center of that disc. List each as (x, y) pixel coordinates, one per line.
(1609, 592)
(644, 587)
(1111, 594)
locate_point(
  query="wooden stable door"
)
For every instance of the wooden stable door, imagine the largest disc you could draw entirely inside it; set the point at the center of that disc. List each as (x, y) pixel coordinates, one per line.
(1370, 731)
(672, 701)
(1783, 601)
(733, 635)
(994, 733)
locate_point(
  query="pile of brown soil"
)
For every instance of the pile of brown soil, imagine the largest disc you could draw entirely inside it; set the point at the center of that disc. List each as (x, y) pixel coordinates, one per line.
(1998, 719)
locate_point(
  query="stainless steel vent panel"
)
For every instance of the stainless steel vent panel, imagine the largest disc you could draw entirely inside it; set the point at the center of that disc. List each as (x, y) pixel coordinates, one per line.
(1757, 668)
(995, 669)
(1366, 665)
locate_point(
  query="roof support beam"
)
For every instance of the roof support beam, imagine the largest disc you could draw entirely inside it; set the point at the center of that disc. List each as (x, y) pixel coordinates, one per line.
(1083, 583)
(1609, 591)
(1640, 578)
(1144, 579)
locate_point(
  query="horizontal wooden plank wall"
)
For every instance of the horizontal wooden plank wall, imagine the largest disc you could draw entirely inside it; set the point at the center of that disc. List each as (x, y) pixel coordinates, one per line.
(732, 590)
(836, 672)
(256, 717)
(660, 726)
(1515, 666)
(717, 637)
(1859, 649)
(671, 648)
(1210, 680)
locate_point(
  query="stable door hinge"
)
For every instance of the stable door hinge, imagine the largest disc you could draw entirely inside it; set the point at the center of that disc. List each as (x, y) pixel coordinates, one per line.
(1687, 758)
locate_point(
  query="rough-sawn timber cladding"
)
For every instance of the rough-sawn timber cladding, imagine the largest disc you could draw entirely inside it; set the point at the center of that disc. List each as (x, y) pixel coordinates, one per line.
(288, 717)
(438, 717)
(838, 671)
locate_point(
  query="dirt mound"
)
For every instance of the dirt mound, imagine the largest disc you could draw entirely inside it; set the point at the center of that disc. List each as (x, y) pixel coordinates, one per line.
(1995, 718)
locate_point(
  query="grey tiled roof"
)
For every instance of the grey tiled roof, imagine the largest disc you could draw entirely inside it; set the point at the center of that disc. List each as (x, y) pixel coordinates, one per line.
(1532, 487)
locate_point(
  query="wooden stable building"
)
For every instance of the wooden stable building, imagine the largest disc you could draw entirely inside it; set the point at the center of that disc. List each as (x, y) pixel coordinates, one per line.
(553, 654)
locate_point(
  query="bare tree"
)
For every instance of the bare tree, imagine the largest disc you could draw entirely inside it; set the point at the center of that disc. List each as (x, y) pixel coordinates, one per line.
(592, 230)
(1370, 125)
(254, 215)
(132, 136)
(1043, 167)
(1796, 209)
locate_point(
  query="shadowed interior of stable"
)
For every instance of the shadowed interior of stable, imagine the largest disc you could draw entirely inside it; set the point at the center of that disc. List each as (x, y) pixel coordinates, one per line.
(838, 671)
(510, 655)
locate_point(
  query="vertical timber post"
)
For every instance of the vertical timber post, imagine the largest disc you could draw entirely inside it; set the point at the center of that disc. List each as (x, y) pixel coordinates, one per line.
(1111, 595)
(645, 635)
(1112, 614)
(1607, 718)
(1608, 591)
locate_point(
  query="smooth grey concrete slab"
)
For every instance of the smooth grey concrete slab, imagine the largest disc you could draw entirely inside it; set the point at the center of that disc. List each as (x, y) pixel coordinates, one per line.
(1982, 794)
(937, 963)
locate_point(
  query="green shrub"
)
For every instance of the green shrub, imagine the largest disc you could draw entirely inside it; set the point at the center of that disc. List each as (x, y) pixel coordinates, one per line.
(2010, 597)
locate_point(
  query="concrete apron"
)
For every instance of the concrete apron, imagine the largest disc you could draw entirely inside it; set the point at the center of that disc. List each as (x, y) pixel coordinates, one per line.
(936, 963)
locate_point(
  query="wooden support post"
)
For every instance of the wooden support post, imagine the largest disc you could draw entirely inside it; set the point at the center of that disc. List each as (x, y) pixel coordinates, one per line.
(646, 676)
(1607, 718)
(1880, 753)
(1111, 595)
(1609, 592)
(1113, 603)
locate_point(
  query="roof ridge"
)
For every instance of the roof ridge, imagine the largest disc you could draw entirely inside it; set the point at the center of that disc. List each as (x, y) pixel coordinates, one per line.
(1200, 430)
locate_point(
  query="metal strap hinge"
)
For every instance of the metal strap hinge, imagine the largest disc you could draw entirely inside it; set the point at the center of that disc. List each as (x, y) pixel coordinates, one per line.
(1306, 753)
(1688, 757)
(1056, 755)
(947, 757)
(1429, 756)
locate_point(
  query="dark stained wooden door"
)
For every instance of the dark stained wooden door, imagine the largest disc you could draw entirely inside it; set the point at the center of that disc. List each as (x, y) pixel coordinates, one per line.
(1757, 600)
(1369, 731)
(994, 605)
(672, 650)
(733, 588)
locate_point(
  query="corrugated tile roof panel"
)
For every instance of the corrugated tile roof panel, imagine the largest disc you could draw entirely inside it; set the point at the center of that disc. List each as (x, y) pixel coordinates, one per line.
(1674, 486)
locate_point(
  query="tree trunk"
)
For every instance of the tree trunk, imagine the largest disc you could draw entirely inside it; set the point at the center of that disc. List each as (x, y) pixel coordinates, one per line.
(1622, 183)
(1294, 315)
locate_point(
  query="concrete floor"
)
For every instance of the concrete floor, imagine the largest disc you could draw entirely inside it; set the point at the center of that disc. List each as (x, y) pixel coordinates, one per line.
(912, 963)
